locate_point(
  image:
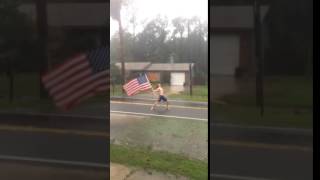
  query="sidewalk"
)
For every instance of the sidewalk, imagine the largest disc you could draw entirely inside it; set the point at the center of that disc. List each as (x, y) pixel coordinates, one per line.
(121, 172)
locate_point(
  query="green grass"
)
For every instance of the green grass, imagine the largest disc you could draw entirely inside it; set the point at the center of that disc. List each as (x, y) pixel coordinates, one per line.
(116, 90)
(24, 85)
(199, 93)
(288, 103)
(273, 116)
(278, 92)
(160, 161)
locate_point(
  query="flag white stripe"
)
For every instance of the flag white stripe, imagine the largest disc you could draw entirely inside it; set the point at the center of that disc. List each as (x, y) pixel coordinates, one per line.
(65, 66)
(64, 75)
(94, 83)
(65, 84)
(130, 83)
(80, 84)
(132, 88)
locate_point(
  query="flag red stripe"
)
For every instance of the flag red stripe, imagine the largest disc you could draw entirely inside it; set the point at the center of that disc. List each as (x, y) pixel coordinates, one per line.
(69, 72)
(80, 85)
(63, 67)
(96, 82)
(69, 82)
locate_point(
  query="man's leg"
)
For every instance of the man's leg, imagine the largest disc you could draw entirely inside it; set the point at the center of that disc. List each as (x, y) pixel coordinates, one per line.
(167, 105)
(152, 107)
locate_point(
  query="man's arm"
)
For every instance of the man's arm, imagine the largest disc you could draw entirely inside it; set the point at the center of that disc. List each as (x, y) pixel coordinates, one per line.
(156, 90)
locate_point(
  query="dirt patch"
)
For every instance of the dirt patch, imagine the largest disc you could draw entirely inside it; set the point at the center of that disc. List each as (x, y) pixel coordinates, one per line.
(119, 172)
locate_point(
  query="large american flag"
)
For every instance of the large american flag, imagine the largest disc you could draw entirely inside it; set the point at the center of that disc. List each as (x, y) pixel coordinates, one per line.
(78, 78)
(136, 85)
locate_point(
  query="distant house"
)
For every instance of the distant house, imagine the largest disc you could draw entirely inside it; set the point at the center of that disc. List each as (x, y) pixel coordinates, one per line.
(177, 74)
(232, 36)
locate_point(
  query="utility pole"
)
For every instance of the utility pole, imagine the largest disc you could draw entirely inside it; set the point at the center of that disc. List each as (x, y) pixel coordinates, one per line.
(190, 78)
(42, 26)
(121, 53)
(9, 57)
(258, 56)
(10, 74)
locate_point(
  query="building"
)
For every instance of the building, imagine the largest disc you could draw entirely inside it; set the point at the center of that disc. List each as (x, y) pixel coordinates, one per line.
(232, 36)
(177, 74)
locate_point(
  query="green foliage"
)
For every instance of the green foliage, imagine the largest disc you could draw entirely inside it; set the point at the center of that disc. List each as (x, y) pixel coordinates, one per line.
(115, 74)
(17, 37)
(187, 41)
(289, 25)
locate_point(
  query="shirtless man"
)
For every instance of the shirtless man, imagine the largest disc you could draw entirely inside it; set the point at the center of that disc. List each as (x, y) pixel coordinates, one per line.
(161, 97)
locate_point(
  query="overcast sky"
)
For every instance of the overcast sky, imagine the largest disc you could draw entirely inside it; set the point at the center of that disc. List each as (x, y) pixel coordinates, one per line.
(149, 9)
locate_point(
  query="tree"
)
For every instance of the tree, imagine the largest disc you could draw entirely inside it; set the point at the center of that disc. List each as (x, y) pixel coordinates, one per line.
(16, 35)
(156, 42)
(151, 42)
(179, 25)
(290, 28)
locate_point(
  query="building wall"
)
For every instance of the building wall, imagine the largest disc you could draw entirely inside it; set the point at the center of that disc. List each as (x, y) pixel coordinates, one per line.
(231, 40)
(72, 14)
(224, 53)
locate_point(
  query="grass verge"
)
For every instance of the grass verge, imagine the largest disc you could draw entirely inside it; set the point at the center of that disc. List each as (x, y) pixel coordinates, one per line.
(288, 102)
(160, 161)
(199, 93)
(273, 116)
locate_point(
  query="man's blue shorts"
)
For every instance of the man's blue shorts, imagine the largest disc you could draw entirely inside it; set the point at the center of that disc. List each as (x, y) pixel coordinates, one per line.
(162, 98)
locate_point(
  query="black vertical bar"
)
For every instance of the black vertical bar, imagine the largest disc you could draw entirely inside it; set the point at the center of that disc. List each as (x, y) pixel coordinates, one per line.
(258, 56)
(42, 25)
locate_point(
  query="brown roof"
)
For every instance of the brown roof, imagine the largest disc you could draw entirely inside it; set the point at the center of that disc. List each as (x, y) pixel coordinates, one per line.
(147, 66)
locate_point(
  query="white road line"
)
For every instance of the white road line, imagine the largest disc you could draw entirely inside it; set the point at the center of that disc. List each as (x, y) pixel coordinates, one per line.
(299, 130)
(235, 177)
(158, 115)
(57, 115)
(260, 145)
(153, 99)
(147, 104)
(53, 161)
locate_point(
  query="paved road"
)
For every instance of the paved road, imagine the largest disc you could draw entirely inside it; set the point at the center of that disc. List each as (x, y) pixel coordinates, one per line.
(230, 158)
(54, 147)
(177, 110)
(259, 163)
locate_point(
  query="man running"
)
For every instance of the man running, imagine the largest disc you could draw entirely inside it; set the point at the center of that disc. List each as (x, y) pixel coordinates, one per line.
(160, 98)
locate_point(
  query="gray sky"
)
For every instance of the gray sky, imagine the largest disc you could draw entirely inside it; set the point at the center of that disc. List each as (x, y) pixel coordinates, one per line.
(146, 10)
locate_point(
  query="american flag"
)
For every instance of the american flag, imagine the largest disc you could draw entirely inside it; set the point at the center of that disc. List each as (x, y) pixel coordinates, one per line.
(136, 85)
(78, 78)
